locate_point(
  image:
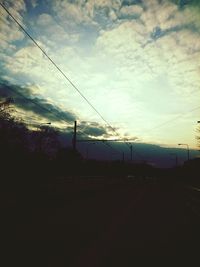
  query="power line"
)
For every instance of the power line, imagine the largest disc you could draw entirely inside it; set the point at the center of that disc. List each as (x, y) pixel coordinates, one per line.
(59, 69)
(169, 121)
(110, 146)
(104, 143)
(74, 86)
(126, 141)
(36, 104)
(65, 76)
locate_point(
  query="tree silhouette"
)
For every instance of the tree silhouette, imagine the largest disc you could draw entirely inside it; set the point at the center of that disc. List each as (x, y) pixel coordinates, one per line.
(45, 141)
(13, 133)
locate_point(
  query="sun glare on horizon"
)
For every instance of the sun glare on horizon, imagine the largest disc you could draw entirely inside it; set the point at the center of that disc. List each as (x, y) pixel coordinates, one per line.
(136, 62)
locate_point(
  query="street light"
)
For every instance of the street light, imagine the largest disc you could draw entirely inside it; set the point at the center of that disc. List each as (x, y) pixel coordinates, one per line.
(188, 151)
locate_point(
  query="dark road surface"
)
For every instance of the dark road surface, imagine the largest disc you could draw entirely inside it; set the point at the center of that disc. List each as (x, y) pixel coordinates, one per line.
(76, 223)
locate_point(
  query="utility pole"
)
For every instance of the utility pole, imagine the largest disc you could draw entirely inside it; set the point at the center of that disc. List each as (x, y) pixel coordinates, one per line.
(75, 140)
(74, 137)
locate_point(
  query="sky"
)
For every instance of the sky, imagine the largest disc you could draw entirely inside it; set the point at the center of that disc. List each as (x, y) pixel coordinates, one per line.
(136, 61)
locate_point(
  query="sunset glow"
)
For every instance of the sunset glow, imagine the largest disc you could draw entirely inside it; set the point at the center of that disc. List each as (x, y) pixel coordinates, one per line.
(137, 62)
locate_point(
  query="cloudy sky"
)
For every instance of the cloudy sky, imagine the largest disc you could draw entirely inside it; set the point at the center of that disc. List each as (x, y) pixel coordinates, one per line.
(136, 61)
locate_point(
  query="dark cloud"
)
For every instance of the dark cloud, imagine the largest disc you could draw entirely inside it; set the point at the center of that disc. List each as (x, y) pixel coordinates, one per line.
(158, 33)
(153, 154)
(23, 98)
(184, 3)
(131, 2)
(93, 129)
(101, 16)
(129, 16)
(160, 156)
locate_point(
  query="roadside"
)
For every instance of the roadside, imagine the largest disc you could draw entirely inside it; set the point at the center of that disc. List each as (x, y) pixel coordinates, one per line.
(75, 223)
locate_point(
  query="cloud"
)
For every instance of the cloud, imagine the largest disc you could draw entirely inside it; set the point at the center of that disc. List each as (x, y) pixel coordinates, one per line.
(130, 12)
(158, 156)
(154, 49)
(34, 3)
(53, 34)
(29, 64)
(93, 15)
(128, 35)
(161, 74)
(34, 108)
(16, 8)
(27, 61)
(9, 32)
(71, 13)
(18, 5)
(25, 99)
(131, 2)
(167, 14)
(94, 130)
(135, 61)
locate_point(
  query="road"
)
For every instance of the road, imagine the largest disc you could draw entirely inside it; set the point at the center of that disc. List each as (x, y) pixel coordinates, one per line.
(79, 223)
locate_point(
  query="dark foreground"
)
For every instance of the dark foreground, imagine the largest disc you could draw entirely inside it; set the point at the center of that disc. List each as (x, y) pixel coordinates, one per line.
(86, 222)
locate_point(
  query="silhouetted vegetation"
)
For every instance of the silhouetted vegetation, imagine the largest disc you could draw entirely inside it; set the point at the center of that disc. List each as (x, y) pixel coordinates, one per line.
(32, 156)
(54, 190)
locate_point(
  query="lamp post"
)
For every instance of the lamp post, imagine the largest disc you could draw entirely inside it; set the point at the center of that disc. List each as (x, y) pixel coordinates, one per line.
(188, 151)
